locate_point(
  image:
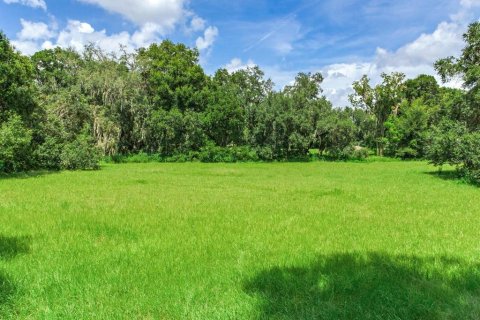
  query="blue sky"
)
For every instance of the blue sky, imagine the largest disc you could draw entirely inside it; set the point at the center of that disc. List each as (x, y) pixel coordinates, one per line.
(343, 39)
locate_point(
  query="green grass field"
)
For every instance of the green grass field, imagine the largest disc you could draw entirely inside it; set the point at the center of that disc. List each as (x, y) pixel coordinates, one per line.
(380, 240)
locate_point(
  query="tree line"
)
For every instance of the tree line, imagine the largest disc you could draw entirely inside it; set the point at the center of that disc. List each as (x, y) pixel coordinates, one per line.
(61, 109)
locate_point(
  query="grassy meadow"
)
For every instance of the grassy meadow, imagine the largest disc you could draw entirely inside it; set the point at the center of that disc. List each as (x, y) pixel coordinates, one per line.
(379, 240)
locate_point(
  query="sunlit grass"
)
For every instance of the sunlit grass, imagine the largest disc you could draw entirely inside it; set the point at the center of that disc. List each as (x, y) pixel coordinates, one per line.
(380, 240)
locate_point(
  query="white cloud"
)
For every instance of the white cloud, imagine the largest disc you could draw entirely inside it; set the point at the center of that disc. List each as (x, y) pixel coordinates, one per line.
(339, 79)
(35, 36)
(208, 38)
(30, 3)
(413, 59)
(34, 31)
(156, 19)
(29, 39)
(165, 14)
(237, 64)
(26, 46)
(197, 24)
(77, 34)
(470, 3)
(426, 49)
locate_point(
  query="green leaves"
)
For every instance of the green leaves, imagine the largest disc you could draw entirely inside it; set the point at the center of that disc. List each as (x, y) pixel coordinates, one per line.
(172, 76)
(16, 82)
(15, 145)
(380, 101)
(457, 140)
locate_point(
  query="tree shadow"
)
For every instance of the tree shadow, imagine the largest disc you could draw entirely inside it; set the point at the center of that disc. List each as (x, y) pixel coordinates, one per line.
(445, 175)
(7, 290)
(370, 286)
(10, 247)
(452, 175)
(26, 175)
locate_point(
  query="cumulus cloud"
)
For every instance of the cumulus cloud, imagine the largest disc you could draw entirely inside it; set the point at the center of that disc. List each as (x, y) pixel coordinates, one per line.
(237, 64)
(208, 38)
(426, 49)
(30, 3)
(158, 16)
(35, 36)
(165, 14)
(34, 30)
(413, 59)
(30, 39)
(78, 33)
(154, 18)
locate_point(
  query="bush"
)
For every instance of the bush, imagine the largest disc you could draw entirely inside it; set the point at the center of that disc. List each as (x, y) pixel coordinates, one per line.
(15, 145)
(451, 143)
(470, 154)
(265, 153)
(407, 153)
(212, 153)
(445, 144)
(49, 154)
(80, 154)
(344, 153)
(209, 154)
(142, 157)
(180, 158)
(360, 153)
(473, 176)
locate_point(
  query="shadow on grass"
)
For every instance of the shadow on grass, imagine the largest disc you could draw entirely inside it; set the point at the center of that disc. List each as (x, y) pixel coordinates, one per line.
(452, 175)
(26, 175)
(370, 286)
(10, 247)
(7, 290)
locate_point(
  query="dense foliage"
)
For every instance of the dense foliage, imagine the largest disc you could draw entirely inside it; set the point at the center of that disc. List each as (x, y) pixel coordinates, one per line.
(61, 109)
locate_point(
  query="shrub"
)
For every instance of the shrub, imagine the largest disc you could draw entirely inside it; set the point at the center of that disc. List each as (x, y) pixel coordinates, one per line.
(15, 145)
(444, 144)
(406, 153)
(116, 158)
(473, 176)
(49, 154)
(244, 154)
(180, 158)
(141, 157)
(344, 153)
(265, 153)
(470, 154)
(212, 153)
(451, 143)
(80, 154)
(360, 153)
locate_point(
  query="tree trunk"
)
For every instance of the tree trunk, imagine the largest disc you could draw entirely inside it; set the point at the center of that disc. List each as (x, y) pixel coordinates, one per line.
(380, 136)
(380, 149)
